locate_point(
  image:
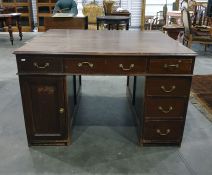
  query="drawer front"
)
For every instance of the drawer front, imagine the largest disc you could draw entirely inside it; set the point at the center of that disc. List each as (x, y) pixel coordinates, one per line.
(163, 131)
(39, 65)
(171, 66)
(168, 86)
(126, 65)
(165, 107)
(84, 66)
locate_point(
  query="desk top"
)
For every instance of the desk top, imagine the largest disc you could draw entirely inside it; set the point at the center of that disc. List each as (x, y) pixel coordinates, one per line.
(88, 42)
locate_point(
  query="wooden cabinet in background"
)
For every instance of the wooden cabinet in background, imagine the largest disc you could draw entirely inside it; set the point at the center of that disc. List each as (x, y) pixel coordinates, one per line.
(44, 9)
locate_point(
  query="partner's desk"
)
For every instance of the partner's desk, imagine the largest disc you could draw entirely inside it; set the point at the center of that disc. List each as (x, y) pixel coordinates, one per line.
(159, 69)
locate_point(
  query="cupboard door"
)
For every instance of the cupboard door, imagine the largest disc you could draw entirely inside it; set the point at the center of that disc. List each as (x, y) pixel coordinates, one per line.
(44, 108)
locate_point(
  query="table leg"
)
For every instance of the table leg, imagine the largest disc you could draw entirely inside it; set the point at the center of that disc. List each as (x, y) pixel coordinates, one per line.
(117, 27)
(109, 26)
(97, 23)
(19, 27)
(127, 26)
(9, 23)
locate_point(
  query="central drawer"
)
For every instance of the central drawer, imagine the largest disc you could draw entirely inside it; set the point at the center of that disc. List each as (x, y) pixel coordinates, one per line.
(126, 65)
(84, 66)
(106, 65)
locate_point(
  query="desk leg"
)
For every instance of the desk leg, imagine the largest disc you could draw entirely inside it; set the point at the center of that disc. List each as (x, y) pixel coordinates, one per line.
(19, 27)
(9, 23)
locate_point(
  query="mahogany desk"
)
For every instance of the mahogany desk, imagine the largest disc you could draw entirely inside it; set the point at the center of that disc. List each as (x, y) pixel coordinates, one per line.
(7, 18)
(159, 69)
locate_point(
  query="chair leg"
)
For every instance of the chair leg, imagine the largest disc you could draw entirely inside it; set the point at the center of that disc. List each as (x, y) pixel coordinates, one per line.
(189, 44)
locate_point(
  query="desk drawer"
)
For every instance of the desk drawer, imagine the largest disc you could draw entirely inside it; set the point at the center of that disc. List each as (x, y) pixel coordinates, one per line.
(84, 66)
(126, 65)
(168, 86)
(171, 66)
(163, 131)
(39, 65)
(165, 107)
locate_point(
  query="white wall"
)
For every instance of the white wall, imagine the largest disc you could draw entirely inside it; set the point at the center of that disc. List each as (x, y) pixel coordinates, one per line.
(153, 6)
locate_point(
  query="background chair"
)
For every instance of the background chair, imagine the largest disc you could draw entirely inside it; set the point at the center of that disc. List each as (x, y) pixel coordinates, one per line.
(193, 37)
(159, 21)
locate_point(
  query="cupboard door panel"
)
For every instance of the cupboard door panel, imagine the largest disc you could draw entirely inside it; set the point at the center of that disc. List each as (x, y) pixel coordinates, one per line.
(44, 107)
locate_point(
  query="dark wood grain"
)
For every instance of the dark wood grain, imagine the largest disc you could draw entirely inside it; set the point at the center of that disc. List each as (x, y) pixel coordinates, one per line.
(43, 97)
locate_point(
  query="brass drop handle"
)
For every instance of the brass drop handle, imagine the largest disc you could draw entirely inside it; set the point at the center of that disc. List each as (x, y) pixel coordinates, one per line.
(163, 134)
(165, 111)
(41, 67)
(167, 66)
(89, 64)
(168, 91)
(61, 110)
(126, 69)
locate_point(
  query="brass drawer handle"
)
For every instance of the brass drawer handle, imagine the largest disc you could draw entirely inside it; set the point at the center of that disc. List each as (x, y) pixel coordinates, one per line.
(163, 134)
(61, 110)
(126, 69)
(41, 67)
(81, 64)
(168, 91)
(167, 66)
(165, 111)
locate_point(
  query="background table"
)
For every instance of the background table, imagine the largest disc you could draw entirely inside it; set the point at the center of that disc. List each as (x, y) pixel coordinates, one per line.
(113, 20)
(8, 18)
(173, 30)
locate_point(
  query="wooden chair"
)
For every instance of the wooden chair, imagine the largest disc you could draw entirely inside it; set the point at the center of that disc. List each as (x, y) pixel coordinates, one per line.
(158, 22)
(190, 36)
(199, 10)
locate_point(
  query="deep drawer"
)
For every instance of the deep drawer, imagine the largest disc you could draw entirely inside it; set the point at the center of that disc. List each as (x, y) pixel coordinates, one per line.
(39, 65)
(168, 86)
(84, 66)
(163, 131)
(165, 107)
(171, 66)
